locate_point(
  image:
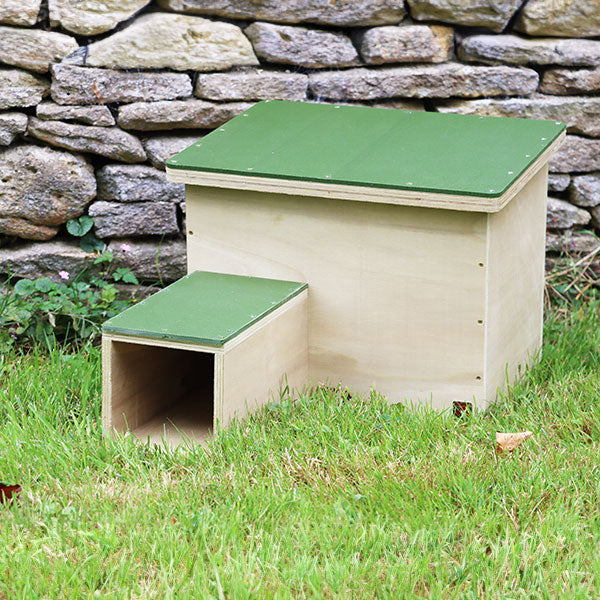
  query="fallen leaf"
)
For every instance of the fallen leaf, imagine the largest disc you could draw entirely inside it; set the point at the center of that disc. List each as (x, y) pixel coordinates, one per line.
(507, 442)
(462, 409)
(8, 493)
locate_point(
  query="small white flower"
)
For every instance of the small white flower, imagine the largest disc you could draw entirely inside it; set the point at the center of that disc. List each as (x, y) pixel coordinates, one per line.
(125, 247)
(64, 275)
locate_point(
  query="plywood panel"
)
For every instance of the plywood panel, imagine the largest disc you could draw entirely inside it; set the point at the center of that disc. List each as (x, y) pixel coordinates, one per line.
(397, 296)
(260, 364)
(515, 270)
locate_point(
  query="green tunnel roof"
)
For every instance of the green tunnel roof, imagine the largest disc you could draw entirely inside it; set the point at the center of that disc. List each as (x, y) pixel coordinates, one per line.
(204, 308)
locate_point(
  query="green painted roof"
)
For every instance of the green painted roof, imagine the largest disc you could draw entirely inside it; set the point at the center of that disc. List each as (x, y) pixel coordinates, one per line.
(204, 308)
(465, 155)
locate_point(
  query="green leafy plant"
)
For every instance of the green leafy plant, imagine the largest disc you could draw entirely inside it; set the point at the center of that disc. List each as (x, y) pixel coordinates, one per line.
(82, 228)
(71, 310)
(90, 243)
(79, 227)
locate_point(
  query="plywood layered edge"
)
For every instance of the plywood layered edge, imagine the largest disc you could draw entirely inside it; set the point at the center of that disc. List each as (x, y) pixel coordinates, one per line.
(363, 193)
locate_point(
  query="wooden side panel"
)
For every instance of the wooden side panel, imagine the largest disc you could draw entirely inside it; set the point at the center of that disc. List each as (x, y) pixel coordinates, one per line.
(515, 272)
(396, 293)
(258, 365)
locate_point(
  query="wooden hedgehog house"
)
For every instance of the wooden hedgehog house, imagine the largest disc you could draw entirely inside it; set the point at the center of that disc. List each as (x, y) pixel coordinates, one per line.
(396, 250)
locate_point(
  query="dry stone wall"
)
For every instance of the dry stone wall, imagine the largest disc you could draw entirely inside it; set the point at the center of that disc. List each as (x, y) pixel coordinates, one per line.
(96, 95)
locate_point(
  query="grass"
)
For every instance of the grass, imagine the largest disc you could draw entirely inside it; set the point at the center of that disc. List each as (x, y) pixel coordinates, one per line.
(323, 497)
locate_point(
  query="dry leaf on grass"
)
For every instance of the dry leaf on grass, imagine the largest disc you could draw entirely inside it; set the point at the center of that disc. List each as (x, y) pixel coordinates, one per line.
(507, 442)
(462, 409)
(8, 493)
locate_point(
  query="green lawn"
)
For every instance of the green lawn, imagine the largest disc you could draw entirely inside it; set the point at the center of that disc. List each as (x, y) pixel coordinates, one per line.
(322, 497)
